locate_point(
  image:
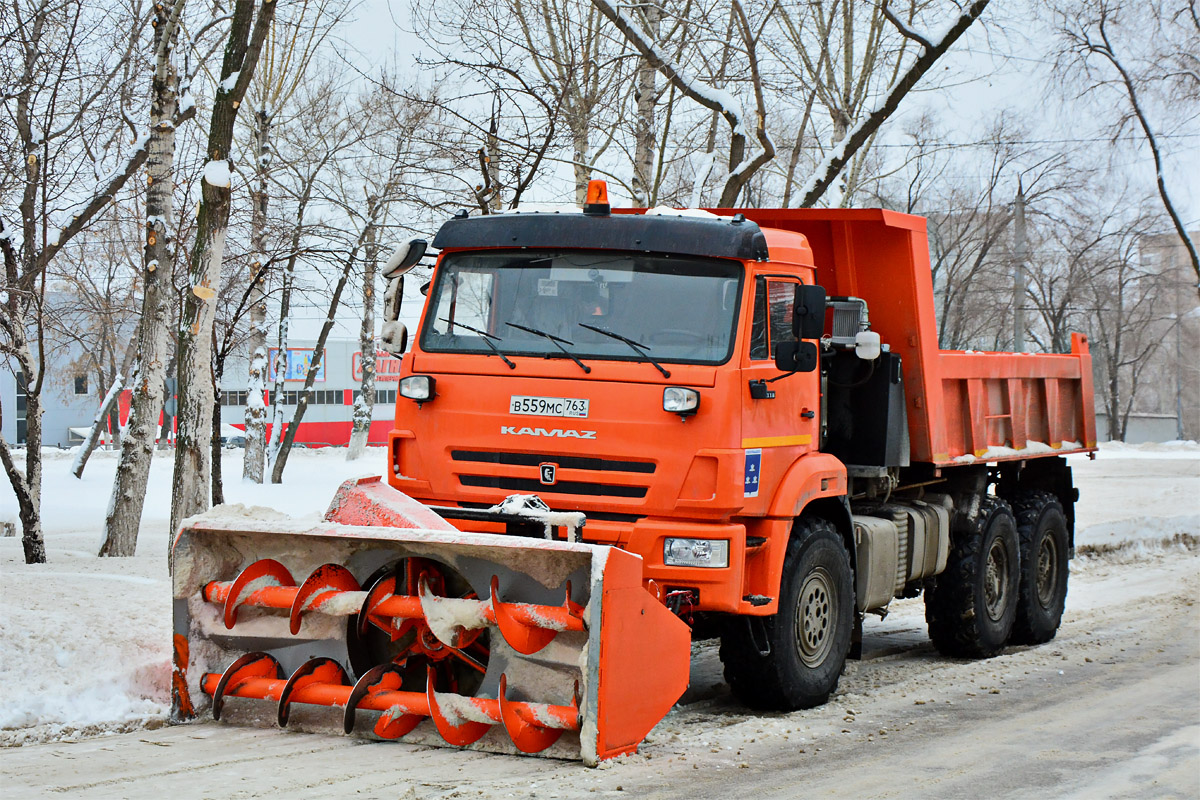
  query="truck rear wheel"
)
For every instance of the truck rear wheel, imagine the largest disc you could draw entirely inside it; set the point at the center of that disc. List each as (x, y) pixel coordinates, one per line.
(1042, 530)
(793, 659)
(972, 606)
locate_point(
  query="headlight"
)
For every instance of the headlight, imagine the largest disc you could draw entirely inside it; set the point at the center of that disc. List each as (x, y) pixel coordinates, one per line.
(696, 552)
(418, 387)
(680, 400)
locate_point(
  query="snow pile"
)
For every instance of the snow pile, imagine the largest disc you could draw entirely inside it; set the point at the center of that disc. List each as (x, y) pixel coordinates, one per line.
(667, 211)
(217, 173)
(85, 650)
(86, 642)
(1031, 448)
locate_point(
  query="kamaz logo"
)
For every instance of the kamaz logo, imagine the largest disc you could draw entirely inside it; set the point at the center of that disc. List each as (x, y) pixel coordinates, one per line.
(561, 433)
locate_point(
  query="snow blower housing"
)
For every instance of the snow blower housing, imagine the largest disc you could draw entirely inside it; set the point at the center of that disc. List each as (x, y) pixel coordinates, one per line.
(610, 423)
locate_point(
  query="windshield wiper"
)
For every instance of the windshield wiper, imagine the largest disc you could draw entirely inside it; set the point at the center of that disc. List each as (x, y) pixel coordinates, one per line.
(638, 347)
(487, 339)
(556, 341)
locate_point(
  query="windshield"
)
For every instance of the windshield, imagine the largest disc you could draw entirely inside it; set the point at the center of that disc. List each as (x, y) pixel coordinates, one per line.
(677, 309)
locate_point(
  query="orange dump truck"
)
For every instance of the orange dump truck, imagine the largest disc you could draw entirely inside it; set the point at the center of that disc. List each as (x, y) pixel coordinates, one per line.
(619, 431)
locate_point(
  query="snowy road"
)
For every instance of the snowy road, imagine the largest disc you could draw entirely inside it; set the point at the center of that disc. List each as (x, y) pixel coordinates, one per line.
(1110, 708)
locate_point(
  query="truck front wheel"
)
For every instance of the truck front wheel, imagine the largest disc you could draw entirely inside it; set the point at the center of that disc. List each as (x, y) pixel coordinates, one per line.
(794, 658)
(972, 605)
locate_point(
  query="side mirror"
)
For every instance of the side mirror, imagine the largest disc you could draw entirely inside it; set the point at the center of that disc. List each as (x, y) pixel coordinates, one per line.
(404, 258)
(796, 356)
(393, 336)
(808, 312)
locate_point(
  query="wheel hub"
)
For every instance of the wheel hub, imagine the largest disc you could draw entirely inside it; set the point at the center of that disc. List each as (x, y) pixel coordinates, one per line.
(996, 579)
(815, 614)
(1047, 570)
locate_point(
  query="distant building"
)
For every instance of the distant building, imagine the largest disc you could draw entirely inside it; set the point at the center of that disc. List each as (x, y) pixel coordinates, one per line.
(329, 416)
(70, 400)
(1175, 379)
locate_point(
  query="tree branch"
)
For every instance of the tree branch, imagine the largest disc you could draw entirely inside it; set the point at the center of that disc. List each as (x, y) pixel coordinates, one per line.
(828, 170)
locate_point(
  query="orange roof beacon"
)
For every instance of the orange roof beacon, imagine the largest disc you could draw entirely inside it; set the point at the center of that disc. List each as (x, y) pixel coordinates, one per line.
(615, 429)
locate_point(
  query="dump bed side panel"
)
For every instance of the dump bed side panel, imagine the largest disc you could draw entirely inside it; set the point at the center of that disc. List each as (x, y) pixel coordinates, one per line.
(1016, 405)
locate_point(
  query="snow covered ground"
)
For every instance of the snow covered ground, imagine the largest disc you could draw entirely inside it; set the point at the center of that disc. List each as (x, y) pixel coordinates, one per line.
(85, 641)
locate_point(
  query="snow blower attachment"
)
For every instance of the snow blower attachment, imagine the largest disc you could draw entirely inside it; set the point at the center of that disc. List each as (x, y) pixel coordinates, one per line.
(387, 621)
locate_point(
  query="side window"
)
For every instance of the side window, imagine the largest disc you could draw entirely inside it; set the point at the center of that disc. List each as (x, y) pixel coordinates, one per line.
(773, 302)
(781, 297)
(758, 329)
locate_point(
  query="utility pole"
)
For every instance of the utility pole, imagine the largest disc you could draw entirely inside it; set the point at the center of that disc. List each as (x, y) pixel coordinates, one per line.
(1019, 251)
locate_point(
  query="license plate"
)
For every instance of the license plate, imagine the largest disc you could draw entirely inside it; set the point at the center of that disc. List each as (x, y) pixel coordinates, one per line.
(548, 406)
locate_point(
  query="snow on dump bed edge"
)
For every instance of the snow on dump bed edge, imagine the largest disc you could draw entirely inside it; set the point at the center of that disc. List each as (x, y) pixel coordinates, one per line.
(86, 641)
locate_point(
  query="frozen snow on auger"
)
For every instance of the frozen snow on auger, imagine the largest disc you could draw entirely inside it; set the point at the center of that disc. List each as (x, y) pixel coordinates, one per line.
(438, 654)
(610, 423)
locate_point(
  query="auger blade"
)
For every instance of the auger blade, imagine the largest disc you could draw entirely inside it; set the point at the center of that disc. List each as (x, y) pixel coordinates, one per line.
(317, 671)
(328, 583)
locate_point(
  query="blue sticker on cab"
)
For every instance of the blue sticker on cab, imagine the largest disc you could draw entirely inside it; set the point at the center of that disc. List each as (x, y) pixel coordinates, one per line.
(753, 468)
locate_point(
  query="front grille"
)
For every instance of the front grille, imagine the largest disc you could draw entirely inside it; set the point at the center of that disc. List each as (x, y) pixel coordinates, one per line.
(597, 487)
(561, 487)
(566, 462)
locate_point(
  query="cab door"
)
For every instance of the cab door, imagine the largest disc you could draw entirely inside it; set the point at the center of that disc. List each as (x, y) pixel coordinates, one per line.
(779, 417)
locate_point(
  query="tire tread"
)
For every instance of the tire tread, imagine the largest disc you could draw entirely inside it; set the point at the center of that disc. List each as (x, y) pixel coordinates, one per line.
(950, 610)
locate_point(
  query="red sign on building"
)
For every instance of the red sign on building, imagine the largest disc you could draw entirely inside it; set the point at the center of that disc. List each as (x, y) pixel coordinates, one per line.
(387, 367)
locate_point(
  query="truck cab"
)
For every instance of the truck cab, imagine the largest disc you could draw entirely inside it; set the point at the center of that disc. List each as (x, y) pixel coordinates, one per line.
(623, 366)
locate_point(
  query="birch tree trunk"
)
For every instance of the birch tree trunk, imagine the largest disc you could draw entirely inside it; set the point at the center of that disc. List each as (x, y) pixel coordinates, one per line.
(28, 486)
(193, 455)
(110, 412)
(364, 406)
(646, 96)
(256, 384)
(124, 515)
(285, 310)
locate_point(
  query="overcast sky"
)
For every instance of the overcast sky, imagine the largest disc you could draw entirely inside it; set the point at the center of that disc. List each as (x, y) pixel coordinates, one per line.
(1005, 65)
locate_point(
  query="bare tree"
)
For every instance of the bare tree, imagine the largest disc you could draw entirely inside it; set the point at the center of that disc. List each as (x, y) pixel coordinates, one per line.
(930, 48)
(742, 163)
(170, 105)
(67, 160)
(1130, 317)
(1090, 32)
(292, 46)
(193, 456)
(321, 133)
